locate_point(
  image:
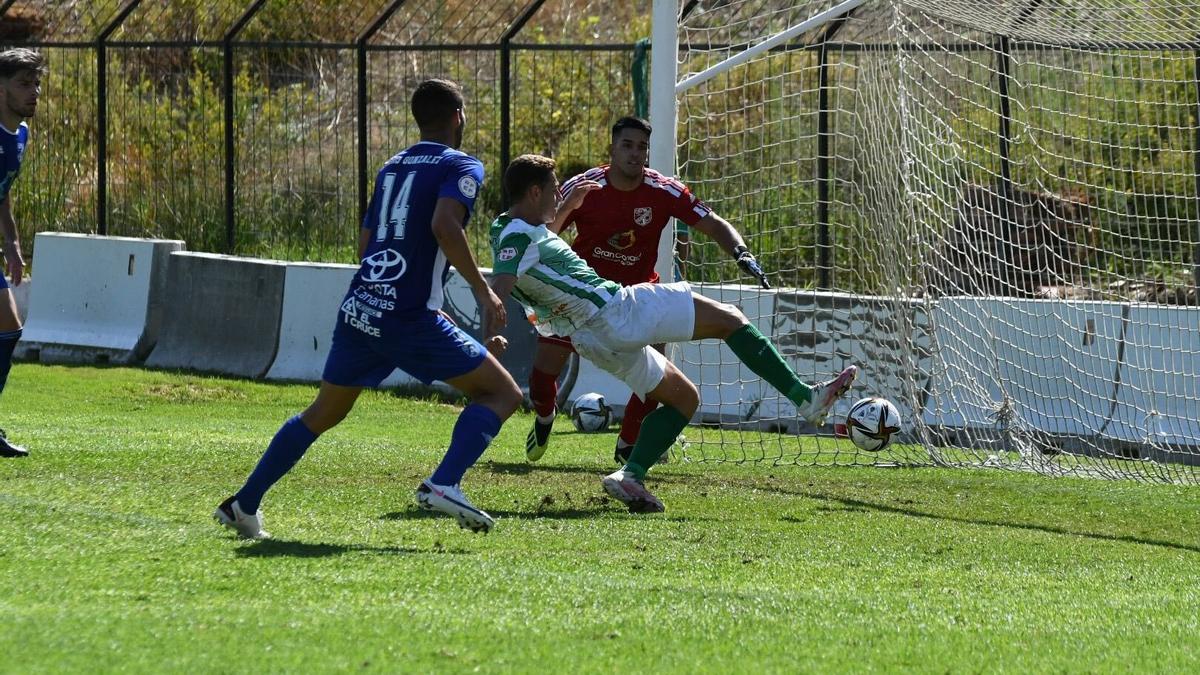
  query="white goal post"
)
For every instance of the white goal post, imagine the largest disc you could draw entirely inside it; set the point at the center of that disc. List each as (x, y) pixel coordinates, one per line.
(993, 208)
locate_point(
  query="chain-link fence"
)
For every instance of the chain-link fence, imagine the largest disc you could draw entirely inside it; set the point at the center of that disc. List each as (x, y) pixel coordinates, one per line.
(256, 126)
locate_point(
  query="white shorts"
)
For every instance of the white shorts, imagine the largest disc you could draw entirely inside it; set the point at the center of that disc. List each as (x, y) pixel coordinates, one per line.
(618, 338)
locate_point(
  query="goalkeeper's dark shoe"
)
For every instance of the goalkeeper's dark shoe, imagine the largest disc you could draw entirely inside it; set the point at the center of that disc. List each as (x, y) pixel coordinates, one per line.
(622, 452)
(8, 449)
(538, 439)
(824, 395)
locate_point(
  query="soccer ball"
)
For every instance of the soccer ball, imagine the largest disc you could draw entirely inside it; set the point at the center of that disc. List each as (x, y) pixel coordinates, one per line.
(871, 423)
(591, 413)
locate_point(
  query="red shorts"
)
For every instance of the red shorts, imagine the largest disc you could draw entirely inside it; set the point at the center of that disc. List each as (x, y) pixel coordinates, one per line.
(556, 340)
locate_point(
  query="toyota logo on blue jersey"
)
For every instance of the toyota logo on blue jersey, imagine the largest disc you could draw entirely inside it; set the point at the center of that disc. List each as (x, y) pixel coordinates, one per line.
(378, 267)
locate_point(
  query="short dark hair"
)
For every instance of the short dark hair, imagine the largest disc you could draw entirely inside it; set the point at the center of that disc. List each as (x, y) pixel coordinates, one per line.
(630, 123)
(525, 172)
(13, 61)
(434, 102)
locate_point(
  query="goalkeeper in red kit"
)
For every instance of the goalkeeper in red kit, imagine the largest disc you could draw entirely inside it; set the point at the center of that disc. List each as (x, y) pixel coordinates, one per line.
(618, 228)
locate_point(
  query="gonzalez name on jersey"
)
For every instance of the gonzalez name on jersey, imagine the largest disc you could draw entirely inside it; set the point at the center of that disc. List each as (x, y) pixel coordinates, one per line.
(617, 231)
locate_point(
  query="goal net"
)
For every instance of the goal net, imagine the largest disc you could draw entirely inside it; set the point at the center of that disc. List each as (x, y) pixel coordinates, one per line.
(991, 207)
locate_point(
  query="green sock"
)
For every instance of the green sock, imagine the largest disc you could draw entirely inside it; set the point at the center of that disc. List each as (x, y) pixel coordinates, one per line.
(659, 431)
(760, 356)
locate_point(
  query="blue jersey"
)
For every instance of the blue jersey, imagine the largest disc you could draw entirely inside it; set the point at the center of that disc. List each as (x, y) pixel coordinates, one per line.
(403, 268)
(12, 150)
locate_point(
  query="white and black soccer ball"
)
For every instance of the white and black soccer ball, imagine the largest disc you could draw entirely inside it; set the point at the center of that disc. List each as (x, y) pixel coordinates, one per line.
(590, 413)
(872, 422)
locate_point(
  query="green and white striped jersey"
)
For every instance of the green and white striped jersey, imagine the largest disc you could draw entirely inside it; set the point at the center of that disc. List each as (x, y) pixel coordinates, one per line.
(552, 280)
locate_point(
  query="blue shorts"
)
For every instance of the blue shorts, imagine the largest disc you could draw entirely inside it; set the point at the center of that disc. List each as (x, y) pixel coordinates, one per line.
(423, 344)
(3, 281)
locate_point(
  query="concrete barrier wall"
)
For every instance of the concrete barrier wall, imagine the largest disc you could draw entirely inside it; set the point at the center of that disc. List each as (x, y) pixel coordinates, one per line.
(889, 340)
(1055, 362)
(97, 298)
(1158, 402)
(1112, 371)
(729, 392)
(222, 314)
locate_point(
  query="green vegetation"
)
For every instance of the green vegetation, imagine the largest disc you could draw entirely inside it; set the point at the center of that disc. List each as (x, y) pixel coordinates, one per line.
(1112, 130)
(295, 115)
(111, 562)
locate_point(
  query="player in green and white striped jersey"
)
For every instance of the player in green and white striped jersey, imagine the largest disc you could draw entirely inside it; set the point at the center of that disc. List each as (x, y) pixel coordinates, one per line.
(552, 280)
(613, 325)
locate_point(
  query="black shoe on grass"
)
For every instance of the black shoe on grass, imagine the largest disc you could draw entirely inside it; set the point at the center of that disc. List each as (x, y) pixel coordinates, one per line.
(8, 449)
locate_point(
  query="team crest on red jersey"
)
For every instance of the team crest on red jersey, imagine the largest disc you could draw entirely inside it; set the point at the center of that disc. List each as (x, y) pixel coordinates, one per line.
(642, 215)
(622, 240)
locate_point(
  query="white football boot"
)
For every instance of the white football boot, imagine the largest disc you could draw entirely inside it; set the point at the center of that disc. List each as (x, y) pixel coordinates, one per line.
(824, 395)
(231, 515)
(449, 499)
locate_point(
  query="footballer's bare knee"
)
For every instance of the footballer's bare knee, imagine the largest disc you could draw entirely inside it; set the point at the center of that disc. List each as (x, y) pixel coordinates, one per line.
(716, 319)
(491, 386)
(677, 391)
(505, 399)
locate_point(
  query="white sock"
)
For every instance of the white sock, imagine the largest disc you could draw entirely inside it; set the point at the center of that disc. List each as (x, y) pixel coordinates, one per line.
(548, 418)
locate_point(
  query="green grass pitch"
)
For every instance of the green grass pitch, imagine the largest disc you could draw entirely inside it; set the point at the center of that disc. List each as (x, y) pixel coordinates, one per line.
(109, 559)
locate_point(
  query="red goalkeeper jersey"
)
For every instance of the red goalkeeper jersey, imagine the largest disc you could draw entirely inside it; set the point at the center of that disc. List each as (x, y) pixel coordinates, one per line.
(617, 232)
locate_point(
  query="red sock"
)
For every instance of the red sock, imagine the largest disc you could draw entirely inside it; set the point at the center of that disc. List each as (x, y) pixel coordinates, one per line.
(635, 411)
(543, 390)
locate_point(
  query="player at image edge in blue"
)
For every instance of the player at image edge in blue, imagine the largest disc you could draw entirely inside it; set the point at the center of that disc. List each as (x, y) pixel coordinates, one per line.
(21, 73)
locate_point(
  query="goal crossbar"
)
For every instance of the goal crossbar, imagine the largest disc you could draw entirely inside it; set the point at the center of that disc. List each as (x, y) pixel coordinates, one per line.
(815, 21)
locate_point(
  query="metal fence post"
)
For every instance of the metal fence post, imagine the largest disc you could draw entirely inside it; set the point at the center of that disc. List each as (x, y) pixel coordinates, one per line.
(506, 83)
(360, 45)
(1004, 69)
(102, 115)
(1009, 277)
(824, 176)
(230, 149)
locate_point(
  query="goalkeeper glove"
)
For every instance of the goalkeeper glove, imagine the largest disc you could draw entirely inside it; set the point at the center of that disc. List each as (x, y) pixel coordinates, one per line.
(749, 265)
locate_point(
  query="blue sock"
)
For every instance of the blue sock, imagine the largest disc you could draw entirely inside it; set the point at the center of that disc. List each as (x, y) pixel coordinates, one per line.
(288, 446)
(474, 431)
(8, 342)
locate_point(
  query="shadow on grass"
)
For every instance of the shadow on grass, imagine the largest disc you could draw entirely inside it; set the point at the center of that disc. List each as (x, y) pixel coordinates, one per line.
(597, 506)
(525, 468)
(568, 513)
(845, 504)
(659, 474)
(271, 548)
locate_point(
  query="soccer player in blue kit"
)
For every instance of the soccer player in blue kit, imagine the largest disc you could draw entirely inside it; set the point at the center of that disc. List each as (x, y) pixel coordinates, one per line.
(391, 317)
(21, 73)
